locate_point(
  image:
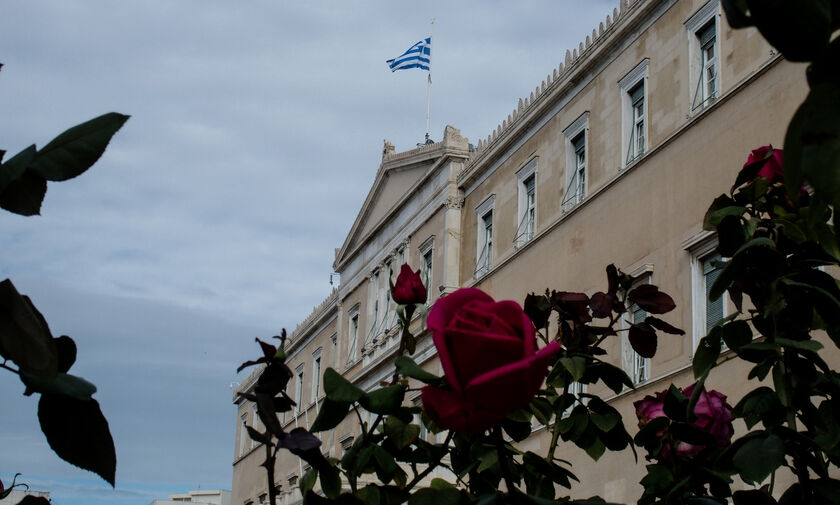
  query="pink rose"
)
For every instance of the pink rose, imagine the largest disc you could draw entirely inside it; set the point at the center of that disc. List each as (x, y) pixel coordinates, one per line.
(490, 359)
(714, 416)
(772, 168)
(409, 287)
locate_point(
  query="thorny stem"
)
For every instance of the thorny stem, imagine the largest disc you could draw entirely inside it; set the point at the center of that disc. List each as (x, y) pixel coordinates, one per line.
(269, 470)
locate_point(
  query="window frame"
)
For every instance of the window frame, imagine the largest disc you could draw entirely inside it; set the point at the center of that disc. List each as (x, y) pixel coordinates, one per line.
(702, 251)
(427, 258)
(353, 334)
(630, 359)
(577, 161)
(526, 215)
(696, 25)
(316, 373)
(299, 387)
(484, 242)
(637, 77)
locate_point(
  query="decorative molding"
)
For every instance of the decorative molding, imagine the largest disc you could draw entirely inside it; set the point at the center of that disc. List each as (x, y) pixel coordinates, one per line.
(454, 202)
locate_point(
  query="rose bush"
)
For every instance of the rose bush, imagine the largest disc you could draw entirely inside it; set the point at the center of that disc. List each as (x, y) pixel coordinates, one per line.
(713, 415)
(409, 287)
(772, 158)
(488, 351)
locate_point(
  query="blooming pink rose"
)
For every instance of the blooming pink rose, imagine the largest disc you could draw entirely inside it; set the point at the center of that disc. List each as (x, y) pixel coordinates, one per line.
(409, 287)
(714, 416)
(772, 168)
(490, 359)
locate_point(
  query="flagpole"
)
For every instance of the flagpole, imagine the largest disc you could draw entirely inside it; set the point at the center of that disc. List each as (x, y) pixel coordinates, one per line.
(429, 87)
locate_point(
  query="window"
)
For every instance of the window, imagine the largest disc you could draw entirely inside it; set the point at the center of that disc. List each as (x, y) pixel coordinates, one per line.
(527, 214)
(703, 51)
(353, 334)
(255, 423)
(484, 236)
(636, 366)
(298, 387)
(633, 110)
(418, 418)
(576, 172)
(706, 265)
(316, 374)
(427, 252)
(373, 307)
(263, 499)
(346, 443)
(293, 480)
(576, 389)
(243, 434)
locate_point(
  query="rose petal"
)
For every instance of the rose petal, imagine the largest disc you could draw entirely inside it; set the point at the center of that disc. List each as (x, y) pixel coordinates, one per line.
(512, 386)
(452, 411)
(440, 315)
(477, 353)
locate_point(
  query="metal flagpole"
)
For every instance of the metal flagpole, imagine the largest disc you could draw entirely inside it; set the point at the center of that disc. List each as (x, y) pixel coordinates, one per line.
(429, 87)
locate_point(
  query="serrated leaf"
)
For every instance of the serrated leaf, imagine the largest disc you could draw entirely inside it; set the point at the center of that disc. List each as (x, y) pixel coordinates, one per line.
(385, 400)
(407, 367)
(24, 334)
(16, 166)
(78, 432)
(77, 148)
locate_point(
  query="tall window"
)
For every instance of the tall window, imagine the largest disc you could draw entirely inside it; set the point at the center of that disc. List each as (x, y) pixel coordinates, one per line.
(316, 374)
(484, 236)
(427, 270)
(353, 334)
(426, 250)
(486, 232)
(576, 173)
(243, 434)
(637, 122)
(299, 387)
(706, 265)
(255, 422)
(704, 55)
(527, 203)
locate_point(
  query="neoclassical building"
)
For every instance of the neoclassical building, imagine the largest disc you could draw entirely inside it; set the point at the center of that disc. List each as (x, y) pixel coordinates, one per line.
(613, 158)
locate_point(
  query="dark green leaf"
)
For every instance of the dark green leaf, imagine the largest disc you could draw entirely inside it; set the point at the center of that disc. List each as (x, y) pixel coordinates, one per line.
(402, 434)
(576, 365)
(752, 497)
(385, 400)
(33, 500)
(24, 195)
(16, 166)
(66, 349)
(761, 404)
(299, 439)
(369, 495)
(257, 435)
(538, 308)
(340, 389)
(24, 335)
(308, 480)
(407, 367)
(707, 353)
(736, 14)
(799, 30)
(675, 404)
(663, 326)
(330, 482)
(737, 334)
(77, 149)
(330, 415)
(758, 457)
(642, 339)
(650, 299)
(78, 432)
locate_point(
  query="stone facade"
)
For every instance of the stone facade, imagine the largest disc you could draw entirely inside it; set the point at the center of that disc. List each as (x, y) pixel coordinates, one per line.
(614, 158)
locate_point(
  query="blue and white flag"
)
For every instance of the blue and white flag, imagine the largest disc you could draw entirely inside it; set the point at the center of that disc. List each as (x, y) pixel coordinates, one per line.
(418, 56)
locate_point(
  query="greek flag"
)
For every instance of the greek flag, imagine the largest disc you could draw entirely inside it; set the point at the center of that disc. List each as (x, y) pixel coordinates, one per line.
(418, 56)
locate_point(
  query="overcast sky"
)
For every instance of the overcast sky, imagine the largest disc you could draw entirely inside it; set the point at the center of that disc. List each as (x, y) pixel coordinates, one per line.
(212, 218)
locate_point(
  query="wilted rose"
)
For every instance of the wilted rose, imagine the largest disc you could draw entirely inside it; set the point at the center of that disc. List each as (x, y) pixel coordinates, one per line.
(772, 167)
(713, 415)
(490, 358)
(409, 287)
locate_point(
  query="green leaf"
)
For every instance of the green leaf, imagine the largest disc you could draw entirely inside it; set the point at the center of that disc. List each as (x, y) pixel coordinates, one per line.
(737, 334)
(369, 495)
(707, 353)
(386, 467)
(758, 457)
(760, 405)
(489, 459)
(802, 345)
(308, 480)
(330, 415)
(25, 337)
(24, 195)
(66, 349)
(16, 166)
(605, 422)
(78, 148)
(78, 432)
(400, 433)
(386, 400)
(330, 482)
(675, 404)
(596, 449)
(340, 389)
(407, 367)
(576, 365)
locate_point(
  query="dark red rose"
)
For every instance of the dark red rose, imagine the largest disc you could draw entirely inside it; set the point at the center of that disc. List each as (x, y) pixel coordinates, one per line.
(409, 287)
(772, 168)
(714, 416)
(490, 359)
